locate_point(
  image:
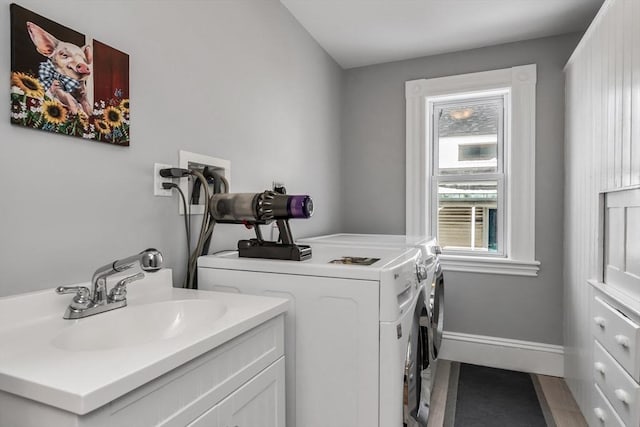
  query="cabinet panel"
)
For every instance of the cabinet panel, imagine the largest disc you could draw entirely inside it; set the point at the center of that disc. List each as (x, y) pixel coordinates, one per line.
(211, 418)
(622, 248)
(627, 29)
(610, 92)
(260, 402)
(635, 94)
(615, 237)
(618, 44)
(632, 255)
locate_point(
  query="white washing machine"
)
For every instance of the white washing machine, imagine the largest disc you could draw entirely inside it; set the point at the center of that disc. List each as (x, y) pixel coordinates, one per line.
(353, 320)
(434, 282)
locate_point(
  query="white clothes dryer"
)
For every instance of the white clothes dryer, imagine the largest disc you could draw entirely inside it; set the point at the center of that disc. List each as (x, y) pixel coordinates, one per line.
(434, 281)
(352, 322)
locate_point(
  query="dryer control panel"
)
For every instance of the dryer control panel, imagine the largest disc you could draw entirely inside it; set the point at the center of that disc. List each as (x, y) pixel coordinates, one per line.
(399, 284)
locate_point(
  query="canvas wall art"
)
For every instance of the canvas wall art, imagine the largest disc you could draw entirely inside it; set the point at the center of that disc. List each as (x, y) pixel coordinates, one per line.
(65, 82)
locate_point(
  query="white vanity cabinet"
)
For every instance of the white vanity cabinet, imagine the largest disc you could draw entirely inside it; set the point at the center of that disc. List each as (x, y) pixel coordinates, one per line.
(172, 357)
(238, 384)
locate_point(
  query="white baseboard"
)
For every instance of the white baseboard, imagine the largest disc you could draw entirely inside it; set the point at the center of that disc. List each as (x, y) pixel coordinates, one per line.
(503, 353)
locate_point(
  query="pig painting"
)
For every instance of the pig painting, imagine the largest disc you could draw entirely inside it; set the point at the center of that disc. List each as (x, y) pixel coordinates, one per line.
(67, 83)
(65, 72)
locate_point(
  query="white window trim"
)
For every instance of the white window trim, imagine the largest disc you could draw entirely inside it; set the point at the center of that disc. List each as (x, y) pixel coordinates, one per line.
(520, 152)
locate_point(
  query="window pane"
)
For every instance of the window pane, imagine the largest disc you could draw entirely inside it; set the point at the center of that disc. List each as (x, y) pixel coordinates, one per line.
(468, 137)
(468, 215)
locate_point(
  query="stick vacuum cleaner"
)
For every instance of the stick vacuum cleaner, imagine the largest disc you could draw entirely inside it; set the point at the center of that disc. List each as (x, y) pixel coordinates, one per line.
(255, 209)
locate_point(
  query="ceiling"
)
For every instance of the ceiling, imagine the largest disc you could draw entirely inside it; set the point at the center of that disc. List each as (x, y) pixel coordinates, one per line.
(365, 32)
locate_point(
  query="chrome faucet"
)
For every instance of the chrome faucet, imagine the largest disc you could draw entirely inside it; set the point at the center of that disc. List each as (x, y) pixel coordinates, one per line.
(89, 302)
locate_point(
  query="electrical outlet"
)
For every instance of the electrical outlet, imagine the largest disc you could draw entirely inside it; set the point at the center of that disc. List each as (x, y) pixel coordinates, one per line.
(195, 161)
(158, 180)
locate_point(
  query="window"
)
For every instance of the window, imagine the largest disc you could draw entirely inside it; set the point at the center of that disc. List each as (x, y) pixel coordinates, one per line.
(468, 174)
(471, 168)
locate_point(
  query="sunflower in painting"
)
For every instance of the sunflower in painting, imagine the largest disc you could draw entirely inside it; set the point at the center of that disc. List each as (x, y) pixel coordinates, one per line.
(54, 112)
(29, 85)
(124, 105)
(102, 127)
(113, 116)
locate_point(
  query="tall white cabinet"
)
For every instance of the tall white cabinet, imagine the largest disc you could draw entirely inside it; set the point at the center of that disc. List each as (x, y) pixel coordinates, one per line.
(602, 158)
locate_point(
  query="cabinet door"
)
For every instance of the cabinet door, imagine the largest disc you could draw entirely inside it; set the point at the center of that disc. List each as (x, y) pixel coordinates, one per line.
(622, 246)
(260, 402)
(211, 418)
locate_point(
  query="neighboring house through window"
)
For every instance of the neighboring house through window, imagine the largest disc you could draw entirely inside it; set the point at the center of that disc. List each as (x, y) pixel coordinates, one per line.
(471, 168)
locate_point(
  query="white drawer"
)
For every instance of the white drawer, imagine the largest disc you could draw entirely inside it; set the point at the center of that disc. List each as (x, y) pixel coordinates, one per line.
(618, 334)
(603, 412)
(617, 385)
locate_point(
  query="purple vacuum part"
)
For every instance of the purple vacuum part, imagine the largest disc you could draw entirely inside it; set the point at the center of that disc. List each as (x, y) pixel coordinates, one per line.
(300, 206)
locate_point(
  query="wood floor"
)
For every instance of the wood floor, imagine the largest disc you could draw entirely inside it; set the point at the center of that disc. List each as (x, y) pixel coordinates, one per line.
(558, 405)
(563, 407)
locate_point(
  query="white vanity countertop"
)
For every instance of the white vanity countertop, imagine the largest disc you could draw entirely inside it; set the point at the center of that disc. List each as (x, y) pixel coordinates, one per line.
(34, 365)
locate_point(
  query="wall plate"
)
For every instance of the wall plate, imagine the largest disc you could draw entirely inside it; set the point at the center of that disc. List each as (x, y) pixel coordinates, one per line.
(158, 180)
(190, 160)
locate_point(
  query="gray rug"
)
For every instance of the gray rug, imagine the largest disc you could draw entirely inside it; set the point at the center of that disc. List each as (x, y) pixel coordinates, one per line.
(479, 396)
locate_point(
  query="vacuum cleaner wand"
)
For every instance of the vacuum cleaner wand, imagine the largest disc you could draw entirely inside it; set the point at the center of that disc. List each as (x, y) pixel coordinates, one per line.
(254, 209)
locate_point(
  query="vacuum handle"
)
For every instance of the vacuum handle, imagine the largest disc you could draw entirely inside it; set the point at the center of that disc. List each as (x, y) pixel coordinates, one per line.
(285, 231)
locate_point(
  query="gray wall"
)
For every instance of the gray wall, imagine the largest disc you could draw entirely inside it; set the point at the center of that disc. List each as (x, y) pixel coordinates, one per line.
(241, 80)
(238, 80)
(373, 164)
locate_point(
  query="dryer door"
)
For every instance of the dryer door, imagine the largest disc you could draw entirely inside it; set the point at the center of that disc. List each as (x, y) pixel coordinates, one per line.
(415, 413)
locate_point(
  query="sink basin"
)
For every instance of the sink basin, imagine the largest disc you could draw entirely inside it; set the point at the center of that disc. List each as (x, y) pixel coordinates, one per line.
(161, 329)
(132, 326)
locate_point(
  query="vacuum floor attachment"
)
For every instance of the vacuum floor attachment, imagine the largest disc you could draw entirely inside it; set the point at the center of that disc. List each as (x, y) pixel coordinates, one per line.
(284, 249)
(253, 248)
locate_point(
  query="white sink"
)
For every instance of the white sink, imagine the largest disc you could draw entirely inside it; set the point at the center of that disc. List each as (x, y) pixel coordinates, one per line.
(80, 365)
(137, 325)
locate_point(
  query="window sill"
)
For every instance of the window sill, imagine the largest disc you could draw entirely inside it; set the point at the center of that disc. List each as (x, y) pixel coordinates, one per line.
(489, 265)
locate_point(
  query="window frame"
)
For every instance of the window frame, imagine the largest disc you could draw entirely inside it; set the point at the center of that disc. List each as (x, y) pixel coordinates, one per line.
(519, 223)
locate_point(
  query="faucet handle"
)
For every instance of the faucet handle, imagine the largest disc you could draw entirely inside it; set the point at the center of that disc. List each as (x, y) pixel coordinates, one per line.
(79, 290)
(82, 298)
(119, 291)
